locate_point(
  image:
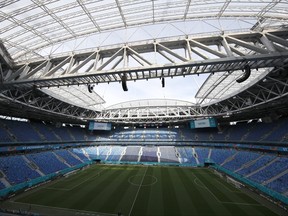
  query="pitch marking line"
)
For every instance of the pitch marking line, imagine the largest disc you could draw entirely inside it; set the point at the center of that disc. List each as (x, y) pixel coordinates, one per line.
(143, 185)
(75, 211)
(233, 191)
(138, 191)
(205, 187)
(223, 202)
(69, 189)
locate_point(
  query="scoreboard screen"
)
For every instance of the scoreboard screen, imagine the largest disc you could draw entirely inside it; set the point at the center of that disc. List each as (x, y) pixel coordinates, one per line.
(203, 123)
(99, 126)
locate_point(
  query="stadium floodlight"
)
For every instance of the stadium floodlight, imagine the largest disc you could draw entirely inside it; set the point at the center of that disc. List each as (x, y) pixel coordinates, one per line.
(246, 74)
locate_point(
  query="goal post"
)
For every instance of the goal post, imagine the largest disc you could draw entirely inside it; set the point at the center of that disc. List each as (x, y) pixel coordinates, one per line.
(234, 182)
(229, 180)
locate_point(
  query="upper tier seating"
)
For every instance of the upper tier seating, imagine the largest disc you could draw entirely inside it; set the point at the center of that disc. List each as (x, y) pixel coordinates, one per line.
(23, 131)
(241, 132)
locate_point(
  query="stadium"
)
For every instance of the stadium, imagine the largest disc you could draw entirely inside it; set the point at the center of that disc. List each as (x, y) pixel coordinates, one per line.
(143, 107)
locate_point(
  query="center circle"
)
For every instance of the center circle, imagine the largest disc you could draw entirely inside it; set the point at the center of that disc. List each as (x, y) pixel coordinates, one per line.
(140, 180)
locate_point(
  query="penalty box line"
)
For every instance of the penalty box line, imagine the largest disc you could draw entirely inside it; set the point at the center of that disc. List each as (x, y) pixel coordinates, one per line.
(75, 211)
(69, 189)
(217, 199)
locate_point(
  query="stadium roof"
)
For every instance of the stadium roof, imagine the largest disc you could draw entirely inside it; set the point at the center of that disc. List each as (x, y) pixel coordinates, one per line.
(34, 31)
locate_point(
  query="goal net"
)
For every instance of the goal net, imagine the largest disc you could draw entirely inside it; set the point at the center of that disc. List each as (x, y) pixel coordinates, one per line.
(234, 182)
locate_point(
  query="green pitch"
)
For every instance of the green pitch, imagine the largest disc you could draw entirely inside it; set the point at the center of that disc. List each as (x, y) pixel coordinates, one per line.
(142, 190)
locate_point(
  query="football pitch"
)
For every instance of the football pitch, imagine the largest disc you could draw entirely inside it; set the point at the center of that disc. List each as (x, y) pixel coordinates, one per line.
(140, 190)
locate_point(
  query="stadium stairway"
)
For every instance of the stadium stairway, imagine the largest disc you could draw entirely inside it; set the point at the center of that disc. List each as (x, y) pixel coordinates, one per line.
(177, 154)
(42, 137)
(285, 193)
(275, 177)
(61, 159)
(123, 153)
(4, 181)
(278, 131)
(261, 168)
(229, 159)
(54, 133)
(248, 164)
(195, 155)
(32, 165)
(71, 134)
(209, 153)
(9, 132)
(158, 154)
(75, 156)
(140, 154)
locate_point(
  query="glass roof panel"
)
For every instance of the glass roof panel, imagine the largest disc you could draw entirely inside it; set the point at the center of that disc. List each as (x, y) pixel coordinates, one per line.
(36, 29)
(76, 95)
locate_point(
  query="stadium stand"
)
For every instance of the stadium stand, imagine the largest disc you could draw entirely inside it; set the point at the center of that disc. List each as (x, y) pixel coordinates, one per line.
(47, 162)
(23, 131)
(131, 154)
(276, 166)
(72, 161)
(2, 186)
(116, 153)
(239, 159)
(16, 169)
(168, 154)
(79, 152)
(4, 135)
(201, 154)
(220, 155)
(256, 164)
(279, 184)
(91, 152)
(267, 169)
(46, 131)
(104, 151)
(186, 155)
(149, 154)
(242, 132)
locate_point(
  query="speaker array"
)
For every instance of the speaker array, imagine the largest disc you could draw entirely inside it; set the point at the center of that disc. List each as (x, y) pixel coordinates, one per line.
(90, 88)
(163, 82)
(246, 74)
(124, 83)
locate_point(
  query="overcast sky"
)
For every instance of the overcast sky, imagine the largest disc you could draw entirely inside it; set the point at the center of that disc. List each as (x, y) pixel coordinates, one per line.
(181, 88)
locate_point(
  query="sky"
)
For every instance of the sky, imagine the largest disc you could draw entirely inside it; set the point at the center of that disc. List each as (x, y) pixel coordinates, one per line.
(180, 88)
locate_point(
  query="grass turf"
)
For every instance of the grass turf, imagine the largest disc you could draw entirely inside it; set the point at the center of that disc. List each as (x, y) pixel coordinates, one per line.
(146, 190)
